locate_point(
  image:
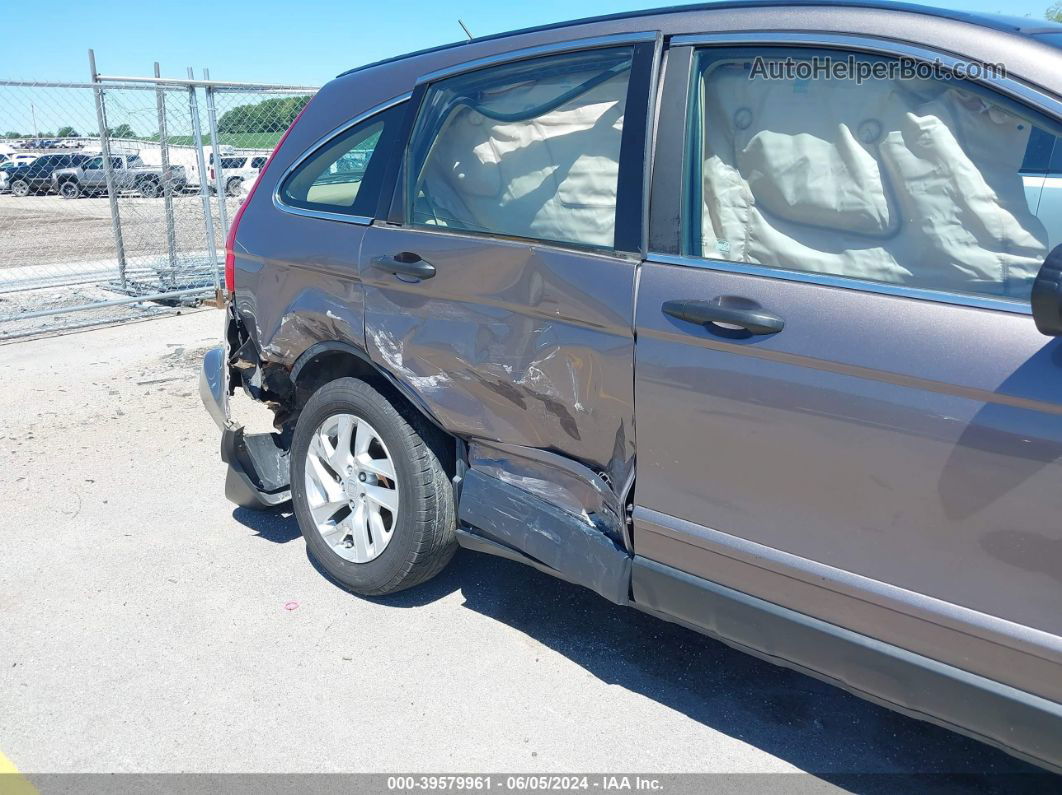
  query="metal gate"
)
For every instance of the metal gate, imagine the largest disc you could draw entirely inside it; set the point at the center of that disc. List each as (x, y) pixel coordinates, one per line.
(116, 194)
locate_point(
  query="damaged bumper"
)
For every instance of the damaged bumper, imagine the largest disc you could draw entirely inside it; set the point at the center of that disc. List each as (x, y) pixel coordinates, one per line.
(258, 466)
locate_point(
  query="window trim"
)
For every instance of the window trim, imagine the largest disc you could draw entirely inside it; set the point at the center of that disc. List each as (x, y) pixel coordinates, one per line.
(665, 223)
(636, 152)
(322, 142)
(540, 50)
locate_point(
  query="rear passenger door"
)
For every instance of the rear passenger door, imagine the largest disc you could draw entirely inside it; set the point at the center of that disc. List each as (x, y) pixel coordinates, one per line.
(500, 292)
(843, 405)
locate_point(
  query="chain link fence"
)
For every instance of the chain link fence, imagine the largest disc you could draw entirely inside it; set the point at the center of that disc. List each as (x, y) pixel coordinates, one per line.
(116, 194)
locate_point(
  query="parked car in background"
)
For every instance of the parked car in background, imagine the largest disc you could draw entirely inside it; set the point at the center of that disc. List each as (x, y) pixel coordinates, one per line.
(5, 171)
(15, 159)
(238, 172)
(779, 359)
(8, 166)
(36, 177)
(129, 173)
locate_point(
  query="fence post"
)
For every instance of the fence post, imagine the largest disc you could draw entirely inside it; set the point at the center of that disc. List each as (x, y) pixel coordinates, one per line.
(219, 178)
(108, 172)
(167, 182)
(204, 190)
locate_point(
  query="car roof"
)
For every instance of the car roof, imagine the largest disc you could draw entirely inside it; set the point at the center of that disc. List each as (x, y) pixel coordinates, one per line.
(1022, 26)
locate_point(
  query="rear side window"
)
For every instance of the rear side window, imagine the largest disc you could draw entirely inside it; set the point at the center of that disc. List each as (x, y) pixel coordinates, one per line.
(344, 175)
(528, 149)
(913, 181)
(258, 162)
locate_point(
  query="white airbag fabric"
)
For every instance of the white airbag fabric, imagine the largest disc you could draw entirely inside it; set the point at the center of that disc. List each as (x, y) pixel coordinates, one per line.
(552, 177)
(911, 182)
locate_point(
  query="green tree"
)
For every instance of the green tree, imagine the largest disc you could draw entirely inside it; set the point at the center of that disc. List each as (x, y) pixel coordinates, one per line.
(121, 131)
(12, 134)
(1054, 13)
(269, 116)
(67, 132)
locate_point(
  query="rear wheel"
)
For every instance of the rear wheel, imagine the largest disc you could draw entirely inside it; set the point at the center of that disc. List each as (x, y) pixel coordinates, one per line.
(149, 188)
(371, 497)
(20, 188)
(69, 190)
(234, 187)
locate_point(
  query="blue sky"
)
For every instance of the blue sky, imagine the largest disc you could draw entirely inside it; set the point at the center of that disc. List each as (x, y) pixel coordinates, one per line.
(297, 43)
(305, 42)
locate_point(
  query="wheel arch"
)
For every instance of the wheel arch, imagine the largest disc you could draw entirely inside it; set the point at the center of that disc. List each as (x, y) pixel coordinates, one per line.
(326, 361)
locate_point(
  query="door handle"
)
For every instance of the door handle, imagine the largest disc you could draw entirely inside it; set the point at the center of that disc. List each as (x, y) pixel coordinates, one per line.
(405, 263)
(753, 319)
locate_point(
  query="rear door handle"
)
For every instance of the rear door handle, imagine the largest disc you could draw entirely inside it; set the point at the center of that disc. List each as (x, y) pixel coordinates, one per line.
(405, 263)
(754, 320)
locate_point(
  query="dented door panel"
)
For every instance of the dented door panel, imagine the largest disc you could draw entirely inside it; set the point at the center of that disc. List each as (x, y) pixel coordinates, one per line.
(558, 480)
(512, 342)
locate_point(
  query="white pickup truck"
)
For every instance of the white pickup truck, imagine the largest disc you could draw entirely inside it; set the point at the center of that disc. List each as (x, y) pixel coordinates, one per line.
(130, 173)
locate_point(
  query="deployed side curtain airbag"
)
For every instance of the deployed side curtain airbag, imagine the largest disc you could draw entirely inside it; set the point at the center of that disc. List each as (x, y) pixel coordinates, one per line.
(905, 181)
(531, 153)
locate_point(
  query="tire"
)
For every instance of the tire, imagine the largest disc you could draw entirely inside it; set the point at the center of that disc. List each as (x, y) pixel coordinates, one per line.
(20, 188)
(69, 190)
(149, 188)
(234, 187)
(422, 537)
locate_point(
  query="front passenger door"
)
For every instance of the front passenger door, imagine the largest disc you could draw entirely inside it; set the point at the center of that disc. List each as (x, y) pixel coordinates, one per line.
(843, 405)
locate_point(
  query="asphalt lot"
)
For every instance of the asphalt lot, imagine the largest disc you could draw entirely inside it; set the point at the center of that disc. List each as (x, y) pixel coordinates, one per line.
(147, 625)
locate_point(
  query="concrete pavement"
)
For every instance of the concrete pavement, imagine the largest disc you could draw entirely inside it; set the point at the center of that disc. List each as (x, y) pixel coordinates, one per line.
(147, 625)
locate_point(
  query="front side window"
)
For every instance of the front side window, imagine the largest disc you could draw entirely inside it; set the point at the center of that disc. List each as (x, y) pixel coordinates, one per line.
(344, 176)
(528, 149)
(905, 180)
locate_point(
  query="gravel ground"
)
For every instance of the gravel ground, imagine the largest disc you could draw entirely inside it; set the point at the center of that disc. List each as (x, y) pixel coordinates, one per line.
(60, 253)
(51, 230)
(147, 625)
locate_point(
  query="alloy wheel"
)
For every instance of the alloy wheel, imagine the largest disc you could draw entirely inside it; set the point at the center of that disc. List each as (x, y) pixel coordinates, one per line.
(351, 488)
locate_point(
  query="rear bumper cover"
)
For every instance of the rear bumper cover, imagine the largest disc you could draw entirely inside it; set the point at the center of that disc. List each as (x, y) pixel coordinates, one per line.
(258, 466)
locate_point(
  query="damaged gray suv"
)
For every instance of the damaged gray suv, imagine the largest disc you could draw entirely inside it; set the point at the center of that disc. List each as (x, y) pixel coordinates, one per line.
(655, 304)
